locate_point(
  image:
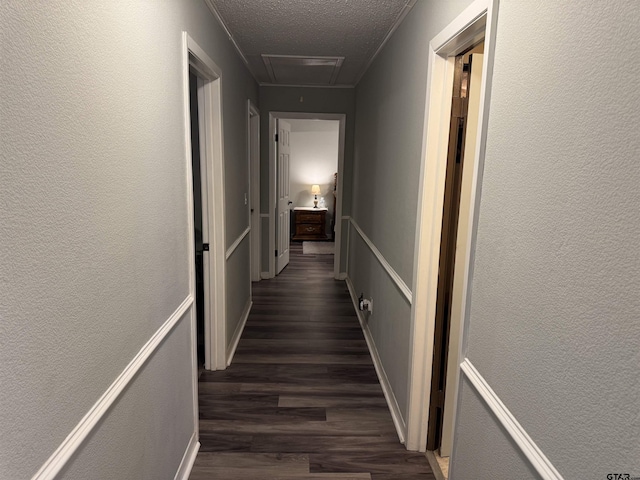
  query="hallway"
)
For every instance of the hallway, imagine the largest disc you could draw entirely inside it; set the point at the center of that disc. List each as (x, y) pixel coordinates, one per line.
(301, 399)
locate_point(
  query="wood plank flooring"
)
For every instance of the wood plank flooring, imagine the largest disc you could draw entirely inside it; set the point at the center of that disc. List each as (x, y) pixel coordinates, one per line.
(301, 399)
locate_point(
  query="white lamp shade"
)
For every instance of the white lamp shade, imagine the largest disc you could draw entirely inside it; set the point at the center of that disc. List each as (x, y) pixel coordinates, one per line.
(315, 189)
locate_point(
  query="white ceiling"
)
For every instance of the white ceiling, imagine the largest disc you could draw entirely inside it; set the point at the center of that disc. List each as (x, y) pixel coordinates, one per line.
(281, 40)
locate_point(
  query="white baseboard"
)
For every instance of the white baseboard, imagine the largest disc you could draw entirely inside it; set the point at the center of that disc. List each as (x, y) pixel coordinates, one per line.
(188, 459)
(238, 333)
(56, 462)
(398, 421)
(342, 276)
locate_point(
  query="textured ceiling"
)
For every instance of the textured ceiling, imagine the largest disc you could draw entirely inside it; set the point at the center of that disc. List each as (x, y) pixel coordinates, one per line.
(353, 29)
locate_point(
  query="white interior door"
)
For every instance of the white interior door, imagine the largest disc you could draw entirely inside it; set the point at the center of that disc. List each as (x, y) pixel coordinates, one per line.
(283, 207)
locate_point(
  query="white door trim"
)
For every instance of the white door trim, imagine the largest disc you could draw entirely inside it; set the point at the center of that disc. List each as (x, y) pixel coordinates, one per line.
(273, 116)
(209, 96)
(476, 22)
(253, 153)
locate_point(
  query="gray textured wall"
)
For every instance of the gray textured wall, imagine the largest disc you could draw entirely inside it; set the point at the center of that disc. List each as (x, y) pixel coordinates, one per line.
(93, 224)
(390, 101)
(238, 287)
(390, 321)
(554, 317)
(554, 320)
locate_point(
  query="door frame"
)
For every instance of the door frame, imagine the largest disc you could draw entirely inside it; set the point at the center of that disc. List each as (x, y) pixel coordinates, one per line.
(452, 359)
(273, 116)
(212, 161)
(475, 23)
(253, 155)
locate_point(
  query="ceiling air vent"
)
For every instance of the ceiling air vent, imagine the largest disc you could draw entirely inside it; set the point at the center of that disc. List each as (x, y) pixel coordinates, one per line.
(300, 70)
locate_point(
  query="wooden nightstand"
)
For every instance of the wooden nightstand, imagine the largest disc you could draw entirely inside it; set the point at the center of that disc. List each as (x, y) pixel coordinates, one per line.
(309, 223)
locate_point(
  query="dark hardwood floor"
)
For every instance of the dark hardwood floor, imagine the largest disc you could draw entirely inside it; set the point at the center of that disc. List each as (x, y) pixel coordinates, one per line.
(301, 399)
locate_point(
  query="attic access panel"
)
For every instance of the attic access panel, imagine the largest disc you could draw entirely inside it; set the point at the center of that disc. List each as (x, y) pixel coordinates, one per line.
(302, 70)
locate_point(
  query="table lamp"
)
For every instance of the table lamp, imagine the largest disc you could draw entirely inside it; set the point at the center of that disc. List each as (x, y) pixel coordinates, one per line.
(315, 190)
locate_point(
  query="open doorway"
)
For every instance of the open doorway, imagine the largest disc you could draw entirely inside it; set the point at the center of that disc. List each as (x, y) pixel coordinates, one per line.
(199, 245)
(455, 221)
(450, 187)
(205, 171)
(313, 168)
(305, 178)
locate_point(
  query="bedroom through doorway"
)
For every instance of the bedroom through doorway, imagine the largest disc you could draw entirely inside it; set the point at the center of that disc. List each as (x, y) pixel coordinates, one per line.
(313, 176)
(307, 158)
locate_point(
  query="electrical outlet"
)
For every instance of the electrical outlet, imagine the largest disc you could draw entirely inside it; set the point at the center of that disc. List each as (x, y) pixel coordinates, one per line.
(367, 305)
(245, 199)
